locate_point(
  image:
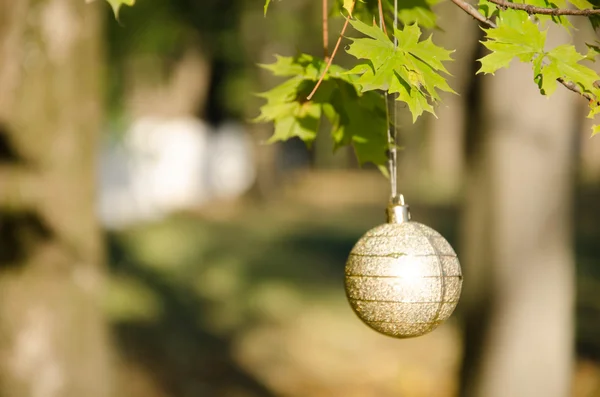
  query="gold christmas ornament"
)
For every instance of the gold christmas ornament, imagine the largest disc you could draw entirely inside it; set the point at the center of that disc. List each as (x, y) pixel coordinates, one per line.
(403, 279)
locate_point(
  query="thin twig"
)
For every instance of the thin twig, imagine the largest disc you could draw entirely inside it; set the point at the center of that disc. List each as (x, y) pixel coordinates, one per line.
(381, 19)
(330, 61)
(543, 10)
(326, 30)
(472, 11)
(575, 88)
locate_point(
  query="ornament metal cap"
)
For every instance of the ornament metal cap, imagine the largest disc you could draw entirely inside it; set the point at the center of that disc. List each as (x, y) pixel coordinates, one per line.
(397, 210)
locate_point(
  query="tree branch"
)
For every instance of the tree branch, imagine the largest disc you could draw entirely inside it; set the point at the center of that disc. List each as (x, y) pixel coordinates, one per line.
(472, 11)
(543, 10)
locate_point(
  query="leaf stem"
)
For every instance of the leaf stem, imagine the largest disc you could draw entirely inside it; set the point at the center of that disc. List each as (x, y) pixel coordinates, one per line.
(330, 61)
(528, 8)
(381, 18)
(325, 30)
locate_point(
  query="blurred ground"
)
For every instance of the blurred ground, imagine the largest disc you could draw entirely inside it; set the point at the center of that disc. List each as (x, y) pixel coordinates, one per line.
(242, 299)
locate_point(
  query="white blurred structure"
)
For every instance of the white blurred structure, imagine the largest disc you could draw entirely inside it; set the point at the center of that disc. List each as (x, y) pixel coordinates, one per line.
(166, 165)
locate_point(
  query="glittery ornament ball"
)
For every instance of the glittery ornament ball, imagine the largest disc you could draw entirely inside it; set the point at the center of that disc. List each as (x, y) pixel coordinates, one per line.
(403, 279)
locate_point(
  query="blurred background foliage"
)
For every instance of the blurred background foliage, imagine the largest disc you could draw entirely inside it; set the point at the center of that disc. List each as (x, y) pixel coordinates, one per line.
(225, 266)
(256, 286)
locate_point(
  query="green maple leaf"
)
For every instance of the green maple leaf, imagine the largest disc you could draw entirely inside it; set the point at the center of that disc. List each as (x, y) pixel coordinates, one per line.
(292, 116)
(515, 37)
(416, 12)
(413, 70)
(559, 20)
(546, 78)
(302, 65)
(564, 63)
(581, 4)
(302, 121)
(595, 109)
(359, 120)
(116, 5)
(356, 119)
(593, 51)
(348, 6)
(518, 37)
(487, 9)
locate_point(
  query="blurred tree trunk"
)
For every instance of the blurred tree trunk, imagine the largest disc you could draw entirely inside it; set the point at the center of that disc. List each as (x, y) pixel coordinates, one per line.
(445, 157)
(53, 338)
(517, 240)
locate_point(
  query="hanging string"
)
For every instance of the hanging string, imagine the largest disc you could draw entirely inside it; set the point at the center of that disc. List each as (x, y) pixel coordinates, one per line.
(390, 103)
(393, 127)
(391, 115)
